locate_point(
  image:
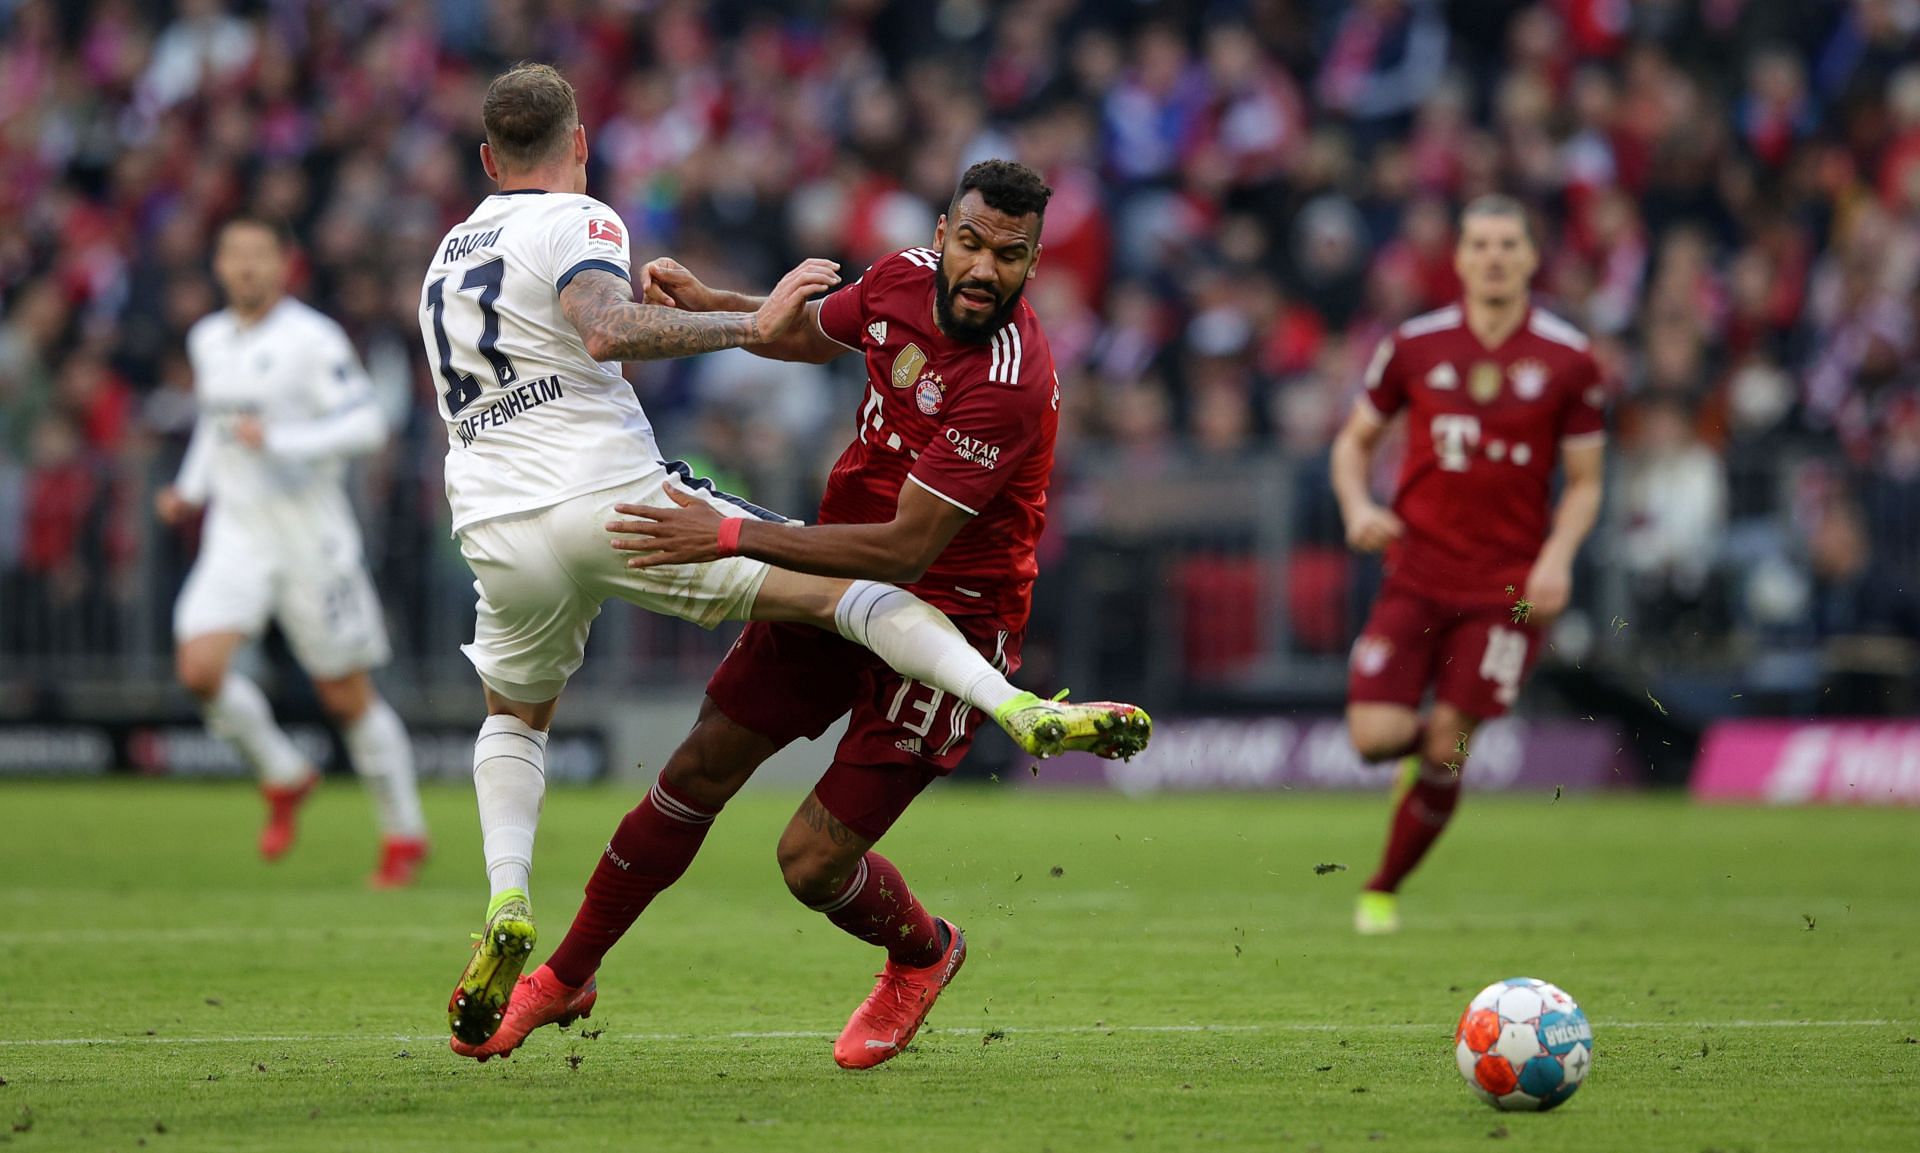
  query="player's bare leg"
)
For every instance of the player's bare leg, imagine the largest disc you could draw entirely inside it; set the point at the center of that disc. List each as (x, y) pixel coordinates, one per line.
(237, 711)
(1425, 798)
(919, 642)
(382, 756)
(647, 853)
(833, 870)
(1383, 732)
(510, 782)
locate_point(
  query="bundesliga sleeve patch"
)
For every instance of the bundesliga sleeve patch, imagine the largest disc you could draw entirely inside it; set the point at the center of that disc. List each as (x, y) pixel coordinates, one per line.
(605, 231)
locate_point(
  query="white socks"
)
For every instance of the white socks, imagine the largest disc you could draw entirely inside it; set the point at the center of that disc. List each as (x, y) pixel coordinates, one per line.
(919, 642)
(376, 743)
(510, 779)
(378, 746)
(241, 716)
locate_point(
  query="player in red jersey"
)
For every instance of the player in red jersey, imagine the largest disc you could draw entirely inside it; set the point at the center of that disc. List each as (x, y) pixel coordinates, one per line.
(944, 490)
(1496, 392)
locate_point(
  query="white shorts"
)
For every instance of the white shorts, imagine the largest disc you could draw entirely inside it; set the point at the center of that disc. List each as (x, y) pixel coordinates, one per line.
(322, 598)
(542, 576)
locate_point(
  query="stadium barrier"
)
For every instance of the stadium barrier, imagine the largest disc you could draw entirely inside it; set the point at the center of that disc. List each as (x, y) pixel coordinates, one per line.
(575, 755)
(1196, 585)
(1271, 753)
(1809, 763)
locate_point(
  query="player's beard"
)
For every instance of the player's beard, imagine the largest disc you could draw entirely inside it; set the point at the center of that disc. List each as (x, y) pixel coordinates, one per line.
(970, 331)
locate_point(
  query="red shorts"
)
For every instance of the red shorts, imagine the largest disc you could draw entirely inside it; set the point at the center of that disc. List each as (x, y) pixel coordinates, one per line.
(1475, 659)
(787, 681)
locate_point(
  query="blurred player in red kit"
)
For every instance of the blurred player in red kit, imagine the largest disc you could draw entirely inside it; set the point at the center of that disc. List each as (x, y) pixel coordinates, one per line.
(943, 490)
(1479, 561)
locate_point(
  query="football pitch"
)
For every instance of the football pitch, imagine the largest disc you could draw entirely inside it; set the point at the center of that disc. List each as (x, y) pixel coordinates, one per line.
(1149, 974)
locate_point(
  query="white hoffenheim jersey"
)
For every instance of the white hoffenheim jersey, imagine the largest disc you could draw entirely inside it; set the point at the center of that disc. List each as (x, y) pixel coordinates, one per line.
(296, 372)
(532, 420)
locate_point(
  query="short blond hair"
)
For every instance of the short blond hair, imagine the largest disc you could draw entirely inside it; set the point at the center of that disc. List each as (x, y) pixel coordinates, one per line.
(529, 113)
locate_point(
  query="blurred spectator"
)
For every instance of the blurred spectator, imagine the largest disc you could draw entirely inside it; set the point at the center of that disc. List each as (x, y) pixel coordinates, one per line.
(204, 47)
(1386, 56)
(1153, 112)
(1860, 328)
(1256, 119)
(1865, 616)
(1776, 113)
(1674, 507)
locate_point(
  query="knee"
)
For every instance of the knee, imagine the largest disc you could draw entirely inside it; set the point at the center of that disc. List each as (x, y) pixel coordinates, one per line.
(814, 878)
(1378, 738)
(1373, 745)
(345, 700)
(692, 774)
(707, 769)
(1447, 737)
(199, 674)
(1444, 749)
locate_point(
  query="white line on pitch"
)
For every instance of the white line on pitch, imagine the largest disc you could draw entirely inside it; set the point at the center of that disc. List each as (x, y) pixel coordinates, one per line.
(1036, 1030)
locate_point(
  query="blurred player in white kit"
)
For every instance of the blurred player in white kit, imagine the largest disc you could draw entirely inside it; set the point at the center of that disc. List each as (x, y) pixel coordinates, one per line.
(283, 402)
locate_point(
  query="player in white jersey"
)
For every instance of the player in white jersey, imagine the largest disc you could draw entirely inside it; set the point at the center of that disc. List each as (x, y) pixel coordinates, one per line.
(283, 402)
(523, 313)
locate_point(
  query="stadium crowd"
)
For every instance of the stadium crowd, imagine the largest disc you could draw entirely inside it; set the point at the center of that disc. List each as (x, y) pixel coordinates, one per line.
(1248, 195)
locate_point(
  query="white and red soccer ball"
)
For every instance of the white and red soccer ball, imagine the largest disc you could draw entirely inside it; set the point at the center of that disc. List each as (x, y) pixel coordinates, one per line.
(1523, 1044)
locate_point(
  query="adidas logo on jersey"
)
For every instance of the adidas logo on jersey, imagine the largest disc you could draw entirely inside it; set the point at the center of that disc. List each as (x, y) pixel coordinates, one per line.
(1442, 377)
(878, 330)
(909, 745)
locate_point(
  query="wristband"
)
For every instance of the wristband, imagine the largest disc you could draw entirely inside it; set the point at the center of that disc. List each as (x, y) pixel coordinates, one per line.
(730, 535)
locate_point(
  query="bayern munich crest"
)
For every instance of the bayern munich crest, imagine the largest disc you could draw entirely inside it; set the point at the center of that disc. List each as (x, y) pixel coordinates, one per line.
(929, 393)
(1370, 655)
(1529, 379)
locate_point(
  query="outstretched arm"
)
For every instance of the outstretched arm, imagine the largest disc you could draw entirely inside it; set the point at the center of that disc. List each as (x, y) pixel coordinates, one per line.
(601, 308)
(667, 282)
(900, 550)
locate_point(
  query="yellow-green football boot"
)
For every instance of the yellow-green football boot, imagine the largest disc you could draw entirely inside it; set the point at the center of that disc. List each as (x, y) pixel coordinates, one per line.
(500, 952)
(1109, 729)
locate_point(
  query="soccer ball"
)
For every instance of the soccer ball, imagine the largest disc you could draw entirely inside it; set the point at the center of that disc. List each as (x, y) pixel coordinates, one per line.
(1523, 1044)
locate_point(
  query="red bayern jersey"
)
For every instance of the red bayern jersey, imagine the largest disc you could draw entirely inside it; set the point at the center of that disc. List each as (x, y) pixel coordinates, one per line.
(971, 423)
(1484, 432)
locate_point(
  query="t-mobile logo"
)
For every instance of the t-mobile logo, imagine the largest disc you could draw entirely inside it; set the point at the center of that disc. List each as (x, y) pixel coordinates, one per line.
(1455, 434)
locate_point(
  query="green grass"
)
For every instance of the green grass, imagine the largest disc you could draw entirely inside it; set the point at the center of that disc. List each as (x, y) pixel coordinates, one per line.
(155, 976)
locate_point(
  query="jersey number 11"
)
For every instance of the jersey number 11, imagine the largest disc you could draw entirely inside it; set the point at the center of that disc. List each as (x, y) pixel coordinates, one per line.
(462, 388)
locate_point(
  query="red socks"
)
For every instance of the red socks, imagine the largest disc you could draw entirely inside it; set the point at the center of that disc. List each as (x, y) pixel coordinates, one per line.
(649, 851)
(876, 907)
(658, 840)
(1417, 823)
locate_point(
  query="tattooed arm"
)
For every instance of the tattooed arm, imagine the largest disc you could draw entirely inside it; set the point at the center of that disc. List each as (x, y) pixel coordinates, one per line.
(667, 282)
(601, 308)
